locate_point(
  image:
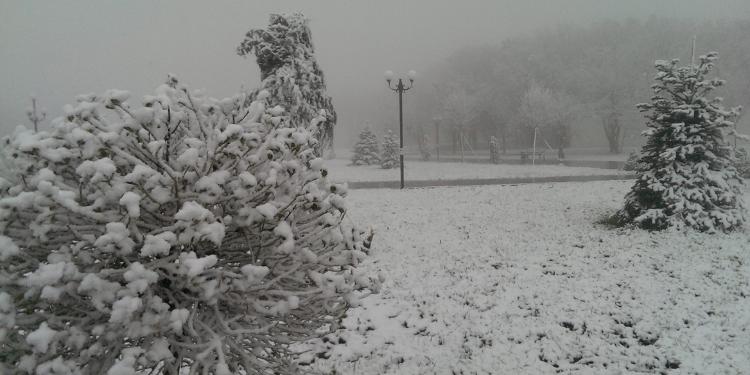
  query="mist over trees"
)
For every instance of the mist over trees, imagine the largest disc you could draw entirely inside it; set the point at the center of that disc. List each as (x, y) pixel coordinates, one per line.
(578, 84)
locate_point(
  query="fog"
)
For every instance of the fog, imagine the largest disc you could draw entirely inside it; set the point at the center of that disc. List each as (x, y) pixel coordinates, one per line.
(57, 50)
(569, 194)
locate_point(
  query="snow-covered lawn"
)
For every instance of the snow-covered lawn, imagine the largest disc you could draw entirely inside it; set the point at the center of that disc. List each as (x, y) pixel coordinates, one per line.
(340, 170)
(520, 280)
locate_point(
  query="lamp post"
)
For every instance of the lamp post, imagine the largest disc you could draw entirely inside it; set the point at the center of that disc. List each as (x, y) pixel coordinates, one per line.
(400, 88)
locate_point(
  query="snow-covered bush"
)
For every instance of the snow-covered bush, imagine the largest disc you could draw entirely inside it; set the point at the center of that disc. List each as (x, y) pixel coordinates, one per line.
(366, 150)
(186, 232)
(290, 73)
(390, 157)
(494, 150)
(685, 175)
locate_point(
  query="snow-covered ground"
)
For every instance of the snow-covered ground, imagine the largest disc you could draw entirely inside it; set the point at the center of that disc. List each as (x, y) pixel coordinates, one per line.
(340, 170)
(521, 280)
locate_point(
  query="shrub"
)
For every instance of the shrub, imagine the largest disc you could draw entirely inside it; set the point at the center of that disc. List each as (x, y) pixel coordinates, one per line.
(165, 236)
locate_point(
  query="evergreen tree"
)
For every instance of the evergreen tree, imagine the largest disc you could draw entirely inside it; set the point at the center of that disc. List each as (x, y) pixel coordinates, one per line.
(290, 73)
(390, 156)
(742, 162)
(366, 150)
(685, 176)
(632, 163)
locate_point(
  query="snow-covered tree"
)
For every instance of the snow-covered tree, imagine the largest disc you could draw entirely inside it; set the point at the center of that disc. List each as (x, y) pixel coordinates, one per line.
(366, 150)
(459, 111)
(390, 156)
(548, 111)
(742, 162)
(685, 176)
(183, 233)
(290, 72)
(419, 133)
(631, 164)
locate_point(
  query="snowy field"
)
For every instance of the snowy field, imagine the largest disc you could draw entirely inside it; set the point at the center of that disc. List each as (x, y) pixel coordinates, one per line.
(341, 171)
(520, 280)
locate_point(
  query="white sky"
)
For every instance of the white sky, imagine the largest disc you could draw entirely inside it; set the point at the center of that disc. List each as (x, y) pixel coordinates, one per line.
(59, 49)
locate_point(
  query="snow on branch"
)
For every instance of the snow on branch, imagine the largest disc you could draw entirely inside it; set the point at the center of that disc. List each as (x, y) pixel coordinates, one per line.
(182, 232)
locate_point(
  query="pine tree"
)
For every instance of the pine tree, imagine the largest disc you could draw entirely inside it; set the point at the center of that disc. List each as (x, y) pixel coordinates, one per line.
(685, 176)
(170, 237)
(290, 73)
(366, 150)
(390, 156)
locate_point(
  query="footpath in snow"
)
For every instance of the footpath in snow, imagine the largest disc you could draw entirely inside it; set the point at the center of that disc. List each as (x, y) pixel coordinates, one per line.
(520, 280)
(416, 171)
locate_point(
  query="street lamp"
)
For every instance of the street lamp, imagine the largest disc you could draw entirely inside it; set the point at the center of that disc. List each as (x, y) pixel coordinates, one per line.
(401, 88)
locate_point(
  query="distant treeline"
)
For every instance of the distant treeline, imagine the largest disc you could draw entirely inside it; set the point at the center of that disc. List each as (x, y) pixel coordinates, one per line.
(576, 84)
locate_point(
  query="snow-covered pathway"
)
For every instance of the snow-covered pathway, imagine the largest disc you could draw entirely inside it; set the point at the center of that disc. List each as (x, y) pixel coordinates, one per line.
(519, 280)
(340, 170)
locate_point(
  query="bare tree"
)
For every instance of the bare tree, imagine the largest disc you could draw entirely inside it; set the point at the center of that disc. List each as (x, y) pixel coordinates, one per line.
(459, 110)
(548, 111)
(612, 124)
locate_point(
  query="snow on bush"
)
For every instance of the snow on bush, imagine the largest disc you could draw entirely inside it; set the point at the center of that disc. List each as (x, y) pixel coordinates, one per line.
(686, 175)
(366, 150)
(186, 232)
(390, 157)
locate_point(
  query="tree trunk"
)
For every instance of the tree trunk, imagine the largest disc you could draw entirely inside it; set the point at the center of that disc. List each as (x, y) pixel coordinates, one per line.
(613, 132)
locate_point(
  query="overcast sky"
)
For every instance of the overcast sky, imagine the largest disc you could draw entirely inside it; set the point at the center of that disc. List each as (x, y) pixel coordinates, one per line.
(58, 49)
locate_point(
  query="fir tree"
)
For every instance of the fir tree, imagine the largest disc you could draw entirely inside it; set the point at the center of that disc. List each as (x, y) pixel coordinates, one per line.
(742, 162)
(366, 150)
(290, 73)
(390, 156)
(685, 176)
(632, 163)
